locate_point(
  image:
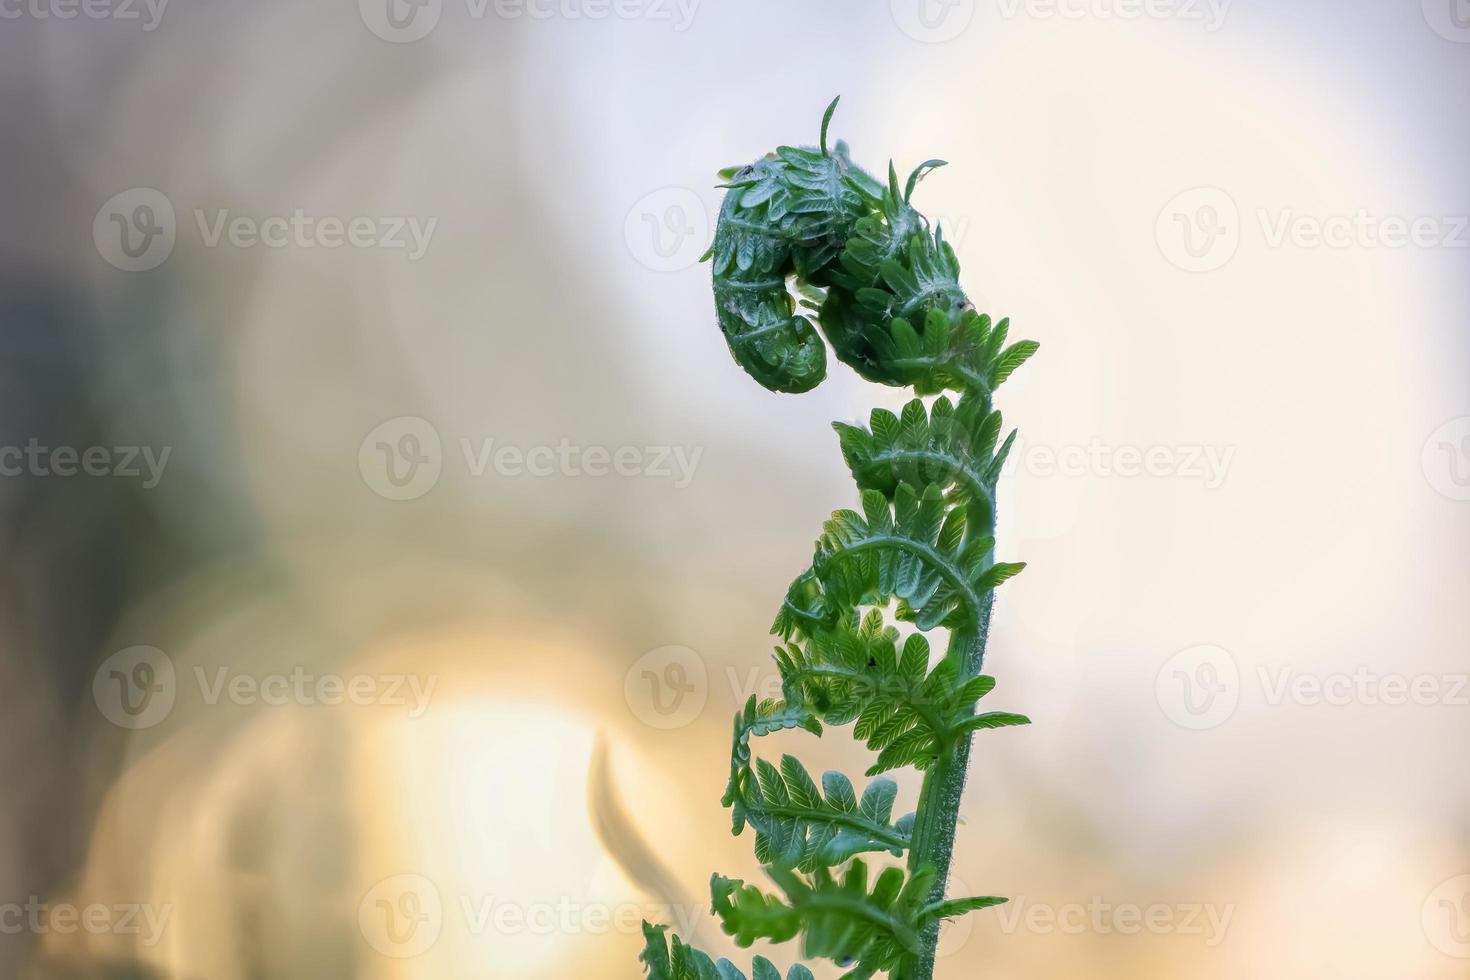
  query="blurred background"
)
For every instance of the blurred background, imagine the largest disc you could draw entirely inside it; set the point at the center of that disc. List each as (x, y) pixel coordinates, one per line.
(387, 536)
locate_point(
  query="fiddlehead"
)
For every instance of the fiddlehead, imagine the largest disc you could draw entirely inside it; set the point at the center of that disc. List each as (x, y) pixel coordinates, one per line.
(804, 228)
(784, 221)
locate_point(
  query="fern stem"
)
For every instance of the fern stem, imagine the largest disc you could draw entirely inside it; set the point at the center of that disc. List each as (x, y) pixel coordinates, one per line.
(939, 799)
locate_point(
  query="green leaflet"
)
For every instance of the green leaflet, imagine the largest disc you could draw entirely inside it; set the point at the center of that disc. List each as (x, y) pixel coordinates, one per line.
(804, 609)
(752, 256)
(759, 718)
(914, 550)
(932, 351)
(947, 446)
(809, 246)
(838, 917)
(908, 714)
(796, 823)
(803, 825)
(784, 216)
(892, 267)
(682, 963)
(911, 550)
(825, 195)
(687, 963)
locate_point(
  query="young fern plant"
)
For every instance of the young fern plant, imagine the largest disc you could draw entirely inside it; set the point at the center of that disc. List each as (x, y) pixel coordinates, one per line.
(883, 286)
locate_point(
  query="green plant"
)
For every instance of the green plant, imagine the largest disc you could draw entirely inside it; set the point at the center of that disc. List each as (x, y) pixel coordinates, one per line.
(805, 222)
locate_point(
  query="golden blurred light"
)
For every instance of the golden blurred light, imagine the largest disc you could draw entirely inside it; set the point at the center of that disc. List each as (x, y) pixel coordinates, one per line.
(482, 786)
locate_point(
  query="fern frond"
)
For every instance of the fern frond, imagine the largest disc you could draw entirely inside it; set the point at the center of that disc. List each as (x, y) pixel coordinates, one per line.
(685, 962)
(932, 351)
(965, 353)
(810, 245)
(892, 267)
(804, 610)
(756, 312)
(825, 195)
(922, 277)
(914, 549)
(905, 712)
(892, 252)
(756, 719)
(799, 824)
(952, 447)
(838, 918)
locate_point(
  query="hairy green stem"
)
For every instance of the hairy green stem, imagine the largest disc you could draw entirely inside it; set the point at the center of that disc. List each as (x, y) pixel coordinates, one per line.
(944, 782)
